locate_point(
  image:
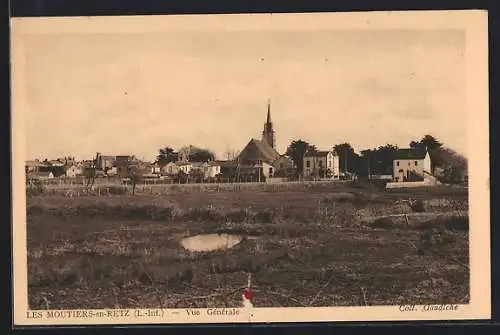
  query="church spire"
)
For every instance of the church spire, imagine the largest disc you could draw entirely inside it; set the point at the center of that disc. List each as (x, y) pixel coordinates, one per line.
(268, 133)
(268, 110)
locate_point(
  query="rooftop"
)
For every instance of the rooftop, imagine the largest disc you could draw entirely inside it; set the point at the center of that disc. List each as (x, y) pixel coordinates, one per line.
(410, 154)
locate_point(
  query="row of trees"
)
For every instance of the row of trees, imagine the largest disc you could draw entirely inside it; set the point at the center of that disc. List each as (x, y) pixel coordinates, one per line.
(378, 161)
(190, 152)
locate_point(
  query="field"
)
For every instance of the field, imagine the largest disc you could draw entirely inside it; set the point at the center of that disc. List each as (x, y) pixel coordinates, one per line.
(330, 245)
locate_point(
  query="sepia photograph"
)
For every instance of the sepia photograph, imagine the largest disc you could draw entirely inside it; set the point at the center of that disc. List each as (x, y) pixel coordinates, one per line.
(227, 162)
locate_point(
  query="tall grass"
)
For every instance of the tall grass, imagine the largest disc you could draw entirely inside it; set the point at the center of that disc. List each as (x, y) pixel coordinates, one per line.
(165, 189)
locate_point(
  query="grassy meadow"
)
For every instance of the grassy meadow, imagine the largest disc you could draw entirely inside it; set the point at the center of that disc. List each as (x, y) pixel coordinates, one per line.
(330, 245)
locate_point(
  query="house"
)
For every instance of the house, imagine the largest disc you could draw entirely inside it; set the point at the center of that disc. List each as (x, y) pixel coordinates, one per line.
(40, 175)
(105, 162)
(112, 171)
(211, 169)
(169, 169)
(122, 164)
(322, 164)
(411, 165)
(154, 168)
(57, 170)
(68, 161)
(56, 163)
(33, 165)
(184, 166)
(87, 163)
(73, 171)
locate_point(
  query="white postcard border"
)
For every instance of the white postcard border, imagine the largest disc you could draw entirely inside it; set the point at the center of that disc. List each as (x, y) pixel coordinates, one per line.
(475, 25)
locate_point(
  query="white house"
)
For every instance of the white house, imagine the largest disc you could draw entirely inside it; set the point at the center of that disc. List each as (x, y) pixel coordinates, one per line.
(113, 171)
(56, 162)
(170, 169)
(184, 166)
(211, 169)
(73, 171)
(411, 165)
(155, 168)
(322, 164)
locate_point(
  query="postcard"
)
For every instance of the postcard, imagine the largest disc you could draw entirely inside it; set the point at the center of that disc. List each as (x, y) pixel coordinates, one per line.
(242, 168)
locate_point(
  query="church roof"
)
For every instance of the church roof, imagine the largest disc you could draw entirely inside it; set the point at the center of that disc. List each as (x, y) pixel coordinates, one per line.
(259, 150)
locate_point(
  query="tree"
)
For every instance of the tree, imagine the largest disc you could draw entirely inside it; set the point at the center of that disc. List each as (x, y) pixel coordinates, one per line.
(90, 172)
(454, 165)
(378, 160)
(329, 173)
(432, 145)
(231, 154)
(167, 155)
(428, 141)
(348, 159)
(201, 156)
(182, 177)
(135, 175)
(196, 175)
(296, 151)
(196, 154)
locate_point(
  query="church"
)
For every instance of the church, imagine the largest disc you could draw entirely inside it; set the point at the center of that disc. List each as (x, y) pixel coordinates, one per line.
(260, 159)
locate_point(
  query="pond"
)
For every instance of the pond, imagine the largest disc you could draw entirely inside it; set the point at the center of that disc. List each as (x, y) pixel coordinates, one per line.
(211, 242)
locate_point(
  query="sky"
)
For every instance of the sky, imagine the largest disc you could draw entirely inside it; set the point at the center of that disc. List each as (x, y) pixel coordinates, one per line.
(124, 94)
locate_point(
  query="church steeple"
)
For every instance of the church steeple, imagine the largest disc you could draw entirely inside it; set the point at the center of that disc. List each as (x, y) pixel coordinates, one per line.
(268, 110)
(268, 133)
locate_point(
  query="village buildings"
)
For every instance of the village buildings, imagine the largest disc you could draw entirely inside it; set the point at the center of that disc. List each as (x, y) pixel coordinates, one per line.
(40, 175)
(411, 165)
(74, 171)
(33, 165)
(259, 159)
(104, 162)
(321, 164)
(211, 169)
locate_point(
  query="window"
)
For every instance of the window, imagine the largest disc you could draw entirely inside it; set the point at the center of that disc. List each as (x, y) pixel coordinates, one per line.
(308, 163)
(397, 163)
(400, 170)
(416, 163)
(270, 171)
(320, 163)
(408, 163)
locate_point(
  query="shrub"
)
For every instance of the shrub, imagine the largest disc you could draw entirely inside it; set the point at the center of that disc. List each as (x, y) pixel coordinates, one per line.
(383, 223)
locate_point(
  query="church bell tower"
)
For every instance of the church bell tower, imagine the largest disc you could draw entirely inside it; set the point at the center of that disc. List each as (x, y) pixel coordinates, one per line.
(268, 133)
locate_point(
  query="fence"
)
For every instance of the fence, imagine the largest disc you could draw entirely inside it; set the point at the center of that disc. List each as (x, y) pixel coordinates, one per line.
(164, 189)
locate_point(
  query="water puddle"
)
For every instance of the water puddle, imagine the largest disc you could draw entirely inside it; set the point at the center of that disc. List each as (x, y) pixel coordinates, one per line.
(211, 242)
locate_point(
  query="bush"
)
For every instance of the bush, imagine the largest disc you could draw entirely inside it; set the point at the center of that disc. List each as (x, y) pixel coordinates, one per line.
(34, 187)
(383, 223)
